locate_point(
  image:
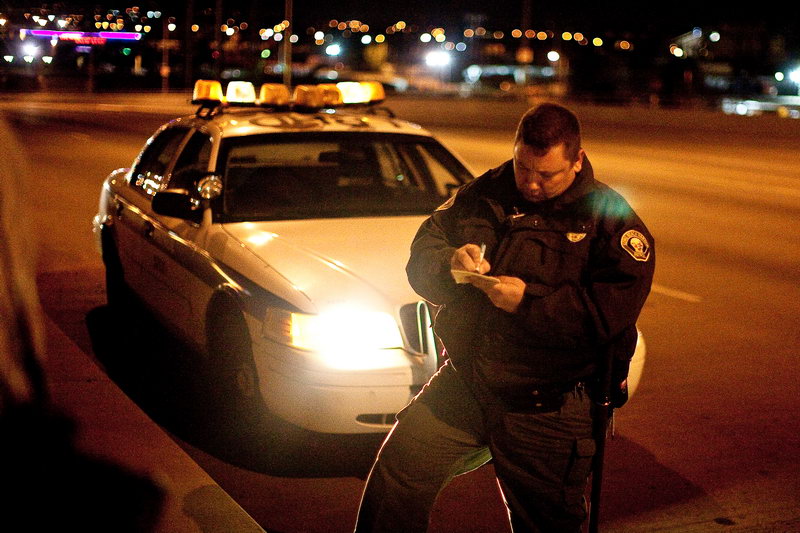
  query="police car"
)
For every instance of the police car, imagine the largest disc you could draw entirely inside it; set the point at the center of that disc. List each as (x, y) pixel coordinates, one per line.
(270, 231)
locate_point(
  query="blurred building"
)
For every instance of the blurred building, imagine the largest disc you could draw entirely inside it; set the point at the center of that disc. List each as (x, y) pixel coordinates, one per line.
(46, 49)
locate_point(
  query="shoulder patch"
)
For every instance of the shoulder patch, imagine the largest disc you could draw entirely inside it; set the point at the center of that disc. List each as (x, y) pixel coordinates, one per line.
(575, 237)
(635, 243)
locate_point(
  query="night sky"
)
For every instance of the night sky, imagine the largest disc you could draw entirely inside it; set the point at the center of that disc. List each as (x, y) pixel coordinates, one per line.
(621, 15)
(578, 15)
(633, 19)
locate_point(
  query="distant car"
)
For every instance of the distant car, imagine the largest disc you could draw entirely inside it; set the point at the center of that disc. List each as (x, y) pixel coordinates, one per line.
(273, 240)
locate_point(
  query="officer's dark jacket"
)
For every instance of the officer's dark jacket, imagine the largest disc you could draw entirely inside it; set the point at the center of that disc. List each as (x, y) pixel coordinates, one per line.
(585, 256)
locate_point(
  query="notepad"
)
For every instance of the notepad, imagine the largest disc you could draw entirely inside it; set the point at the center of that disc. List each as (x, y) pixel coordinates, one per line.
(479, 280)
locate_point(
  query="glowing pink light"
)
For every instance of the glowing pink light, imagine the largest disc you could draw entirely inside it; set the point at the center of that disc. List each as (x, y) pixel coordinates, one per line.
(50, 33)
(120, 35)
(77, 35)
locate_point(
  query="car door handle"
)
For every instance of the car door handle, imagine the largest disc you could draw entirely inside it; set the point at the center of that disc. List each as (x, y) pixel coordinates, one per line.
(148, 230)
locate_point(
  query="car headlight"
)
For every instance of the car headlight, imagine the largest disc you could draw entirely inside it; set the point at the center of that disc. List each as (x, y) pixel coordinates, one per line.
(344, 336)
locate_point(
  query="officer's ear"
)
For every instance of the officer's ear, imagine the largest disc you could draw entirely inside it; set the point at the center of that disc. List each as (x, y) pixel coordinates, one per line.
(578, 164)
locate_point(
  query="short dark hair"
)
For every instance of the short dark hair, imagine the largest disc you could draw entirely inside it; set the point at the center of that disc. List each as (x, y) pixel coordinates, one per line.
(548, 125)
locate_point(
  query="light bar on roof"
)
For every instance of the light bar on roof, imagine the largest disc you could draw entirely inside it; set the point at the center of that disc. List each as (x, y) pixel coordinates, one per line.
(240, 93)
(364, 92)
(335, 95)
(274, 94)
(207, 92)
(308, 96)
(331, 95)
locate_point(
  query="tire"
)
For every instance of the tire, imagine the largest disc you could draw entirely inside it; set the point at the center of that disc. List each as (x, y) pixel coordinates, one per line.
(231, 372)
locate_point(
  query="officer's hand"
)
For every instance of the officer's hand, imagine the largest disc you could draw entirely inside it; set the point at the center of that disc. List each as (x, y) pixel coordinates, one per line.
(506, 295)
(620, 396)
(467, 257)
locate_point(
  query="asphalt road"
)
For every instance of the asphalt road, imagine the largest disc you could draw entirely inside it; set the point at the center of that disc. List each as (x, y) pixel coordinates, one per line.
(711, 439)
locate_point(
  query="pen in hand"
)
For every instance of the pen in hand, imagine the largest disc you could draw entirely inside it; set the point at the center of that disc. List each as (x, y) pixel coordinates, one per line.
(480, 259)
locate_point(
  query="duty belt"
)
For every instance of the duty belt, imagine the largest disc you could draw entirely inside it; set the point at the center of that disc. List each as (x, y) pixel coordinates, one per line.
(540, 399)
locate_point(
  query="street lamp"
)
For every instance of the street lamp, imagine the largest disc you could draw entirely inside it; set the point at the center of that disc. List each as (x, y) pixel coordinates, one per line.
(795, 77)
(437, 59)
(30, 50)
(164, 70)
(287, 45)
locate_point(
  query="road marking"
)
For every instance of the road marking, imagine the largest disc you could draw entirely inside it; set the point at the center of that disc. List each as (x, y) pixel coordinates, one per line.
(675, 293)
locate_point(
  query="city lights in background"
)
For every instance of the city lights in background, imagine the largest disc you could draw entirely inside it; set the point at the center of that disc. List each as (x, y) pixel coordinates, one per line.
(30, 50)
(437, 45)
(436, 34)
(794, 76)
(437, 59)
(116, 24)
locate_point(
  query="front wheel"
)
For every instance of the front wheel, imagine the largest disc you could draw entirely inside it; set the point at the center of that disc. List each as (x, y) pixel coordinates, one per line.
(231, 372)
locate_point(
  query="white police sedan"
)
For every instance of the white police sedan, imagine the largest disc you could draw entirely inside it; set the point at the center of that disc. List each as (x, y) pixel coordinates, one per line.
(271, 234)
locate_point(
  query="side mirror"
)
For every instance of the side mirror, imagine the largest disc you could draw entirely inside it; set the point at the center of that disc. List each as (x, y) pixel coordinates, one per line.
(178, 204)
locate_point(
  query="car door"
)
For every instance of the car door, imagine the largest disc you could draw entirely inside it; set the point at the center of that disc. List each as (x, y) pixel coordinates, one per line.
(142, 263)
(178, 263)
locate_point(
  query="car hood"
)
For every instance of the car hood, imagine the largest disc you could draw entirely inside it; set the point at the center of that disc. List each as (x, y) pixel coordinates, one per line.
(340, 260)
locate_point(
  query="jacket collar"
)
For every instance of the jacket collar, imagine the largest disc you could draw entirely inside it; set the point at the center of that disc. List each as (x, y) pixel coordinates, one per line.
(583, 184)
(508, 194)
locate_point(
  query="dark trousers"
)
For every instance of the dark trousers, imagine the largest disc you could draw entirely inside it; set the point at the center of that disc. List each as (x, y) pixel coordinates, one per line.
(542, 460)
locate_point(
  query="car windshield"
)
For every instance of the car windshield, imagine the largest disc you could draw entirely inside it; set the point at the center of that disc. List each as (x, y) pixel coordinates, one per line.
(341, 174)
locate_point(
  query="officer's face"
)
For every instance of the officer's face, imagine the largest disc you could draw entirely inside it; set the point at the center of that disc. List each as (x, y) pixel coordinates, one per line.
(541, 176)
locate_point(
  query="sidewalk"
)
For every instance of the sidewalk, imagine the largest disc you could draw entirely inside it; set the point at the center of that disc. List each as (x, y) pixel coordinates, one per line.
(110, 426)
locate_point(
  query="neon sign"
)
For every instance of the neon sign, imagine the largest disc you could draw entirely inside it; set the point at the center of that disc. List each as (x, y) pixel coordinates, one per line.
(88, 37)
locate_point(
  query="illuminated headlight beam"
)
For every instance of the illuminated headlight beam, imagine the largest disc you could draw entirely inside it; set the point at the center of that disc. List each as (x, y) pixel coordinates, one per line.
(344, 337)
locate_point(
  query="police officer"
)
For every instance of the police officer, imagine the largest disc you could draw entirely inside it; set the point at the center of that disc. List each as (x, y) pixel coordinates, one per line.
(569, 267)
